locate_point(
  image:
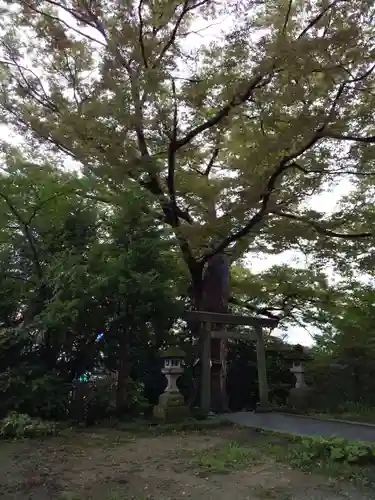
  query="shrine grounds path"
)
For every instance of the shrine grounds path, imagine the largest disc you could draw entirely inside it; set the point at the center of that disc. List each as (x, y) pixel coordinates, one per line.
(225, 462)
(303, 426)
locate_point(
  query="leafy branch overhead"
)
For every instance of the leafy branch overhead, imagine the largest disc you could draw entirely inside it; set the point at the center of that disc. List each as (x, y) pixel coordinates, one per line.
(233, 136)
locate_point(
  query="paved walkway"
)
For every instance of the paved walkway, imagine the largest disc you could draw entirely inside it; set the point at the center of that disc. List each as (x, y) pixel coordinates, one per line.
(303, 426)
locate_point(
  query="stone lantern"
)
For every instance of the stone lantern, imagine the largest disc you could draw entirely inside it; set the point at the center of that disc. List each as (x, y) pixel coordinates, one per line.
(298, 371)
(171, 404)
(300, 396)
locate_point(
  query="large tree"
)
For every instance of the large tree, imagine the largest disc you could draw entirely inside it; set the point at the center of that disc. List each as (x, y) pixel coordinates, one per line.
(232, 138)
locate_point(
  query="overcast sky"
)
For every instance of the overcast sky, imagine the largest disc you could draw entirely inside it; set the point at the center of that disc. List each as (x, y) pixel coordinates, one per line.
(205, 32)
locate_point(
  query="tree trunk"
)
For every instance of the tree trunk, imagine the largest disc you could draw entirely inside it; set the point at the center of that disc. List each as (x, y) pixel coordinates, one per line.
(123, 374)
(211, 293)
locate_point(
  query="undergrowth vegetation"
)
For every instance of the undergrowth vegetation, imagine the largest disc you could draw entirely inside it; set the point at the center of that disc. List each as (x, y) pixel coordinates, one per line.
(334, 456)
(334, 449)
(21, 425)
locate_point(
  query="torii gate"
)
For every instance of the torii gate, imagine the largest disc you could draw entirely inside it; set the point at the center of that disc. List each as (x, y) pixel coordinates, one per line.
(207, 319)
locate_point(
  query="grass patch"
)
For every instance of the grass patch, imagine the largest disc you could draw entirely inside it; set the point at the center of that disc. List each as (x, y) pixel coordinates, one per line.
(224, 458)
(366, 417)
(317, 457)
(337, 459)
(157, 429)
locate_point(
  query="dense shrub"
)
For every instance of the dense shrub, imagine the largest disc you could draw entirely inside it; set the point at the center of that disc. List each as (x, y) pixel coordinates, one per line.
(337, 384)
(20, 425)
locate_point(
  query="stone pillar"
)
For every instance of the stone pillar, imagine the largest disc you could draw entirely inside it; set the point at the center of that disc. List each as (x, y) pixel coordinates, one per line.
(262, 371)
(206, 366)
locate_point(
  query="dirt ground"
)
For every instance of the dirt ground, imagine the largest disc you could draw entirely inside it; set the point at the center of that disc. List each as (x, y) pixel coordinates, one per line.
(113, 465)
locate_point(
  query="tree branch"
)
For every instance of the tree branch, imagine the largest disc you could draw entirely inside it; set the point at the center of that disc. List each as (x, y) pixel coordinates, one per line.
(221, 114)
(43, 99)
(331, 172)
(287, 16)
(316, 19)
(266, 196)
(319, 229)
(6, 275)
(258, 310)
(90, 20)
(172, 155)
(28, 235)
(286, 163)
(172, 38)
(354, 138)
(211, 162)
(140, 36)
(39, 133)
(63, 23)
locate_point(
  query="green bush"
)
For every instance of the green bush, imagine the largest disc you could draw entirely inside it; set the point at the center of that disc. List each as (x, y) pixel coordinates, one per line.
(23, 390)
(20, 425)
(92, 401)
(135, 402)
(96, 400)
(316, 450)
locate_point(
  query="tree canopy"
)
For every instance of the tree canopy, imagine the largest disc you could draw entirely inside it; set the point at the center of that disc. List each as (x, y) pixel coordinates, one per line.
(232, 136)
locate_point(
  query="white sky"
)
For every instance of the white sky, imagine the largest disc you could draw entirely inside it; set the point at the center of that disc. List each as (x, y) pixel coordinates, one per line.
(204, 33)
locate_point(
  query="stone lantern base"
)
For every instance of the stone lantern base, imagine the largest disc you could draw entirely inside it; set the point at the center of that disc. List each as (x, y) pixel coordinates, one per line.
(301, 398)
(171, 407)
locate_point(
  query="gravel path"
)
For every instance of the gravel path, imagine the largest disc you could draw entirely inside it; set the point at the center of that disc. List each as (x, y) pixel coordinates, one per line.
(303, 426)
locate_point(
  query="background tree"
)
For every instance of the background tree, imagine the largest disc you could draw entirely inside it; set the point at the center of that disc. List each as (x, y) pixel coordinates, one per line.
(71, 268)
